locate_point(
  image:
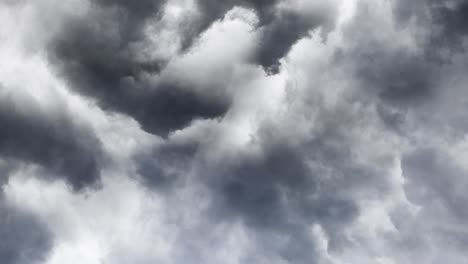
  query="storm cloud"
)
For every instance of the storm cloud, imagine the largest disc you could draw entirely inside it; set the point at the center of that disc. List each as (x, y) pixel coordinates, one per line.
(96, 54)
(202, 131)
(24, 238)
(51, 140)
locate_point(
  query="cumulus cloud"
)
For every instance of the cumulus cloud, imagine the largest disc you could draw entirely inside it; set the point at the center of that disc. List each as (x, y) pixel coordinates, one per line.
(237, 131)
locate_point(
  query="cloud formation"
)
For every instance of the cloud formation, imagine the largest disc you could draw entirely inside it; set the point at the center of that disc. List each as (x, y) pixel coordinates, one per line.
(236, 131)
(50, 140)
(24, 238)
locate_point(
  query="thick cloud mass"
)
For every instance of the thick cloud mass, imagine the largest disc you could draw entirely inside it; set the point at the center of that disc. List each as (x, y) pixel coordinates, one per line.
(95, 54)
(50, 140)
(204, 131)
(24, 238)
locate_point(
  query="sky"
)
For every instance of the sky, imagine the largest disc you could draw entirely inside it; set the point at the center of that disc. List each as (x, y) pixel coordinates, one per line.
(233, 132)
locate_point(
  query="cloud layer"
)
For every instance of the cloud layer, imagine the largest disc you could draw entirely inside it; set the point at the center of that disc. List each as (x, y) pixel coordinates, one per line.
(202, 131)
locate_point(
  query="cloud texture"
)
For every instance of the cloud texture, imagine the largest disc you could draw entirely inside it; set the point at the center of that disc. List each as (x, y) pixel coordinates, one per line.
(201, 131)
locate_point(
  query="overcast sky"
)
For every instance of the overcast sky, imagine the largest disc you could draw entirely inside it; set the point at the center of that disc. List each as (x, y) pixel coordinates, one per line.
(233, 131)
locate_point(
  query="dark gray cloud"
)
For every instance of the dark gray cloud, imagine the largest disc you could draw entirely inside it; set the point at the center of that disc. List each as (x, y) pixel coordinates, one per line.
(416, 96)
(396, 77)
(94, 54)
(454, 22)
(25, 240)
(395, 74)
(138, 11)
(212, 10)
(6, 167)
(400, 74)
(290, 186)
(279, 192)
(165, 164)
(385, 95)
(262, 188)
(52, 140)
(282, 33)
(445, 22)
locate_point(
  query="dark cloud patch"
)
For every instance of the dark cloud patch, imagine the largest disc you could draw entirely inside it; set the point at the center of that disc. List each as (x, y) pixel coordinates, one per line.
(53, 141)
(290, 186)
(398, 75)
(213, 10)
(281, 34)
(407, 81)
(284, 189)
(446, 22)
(139, 10)
(405, 11)
(165, 164)
(450, 24)
(95, 54)
(397, 78)
(6, 167)
(168, 108)
(24, 239)
(254, 186)
(394, 119)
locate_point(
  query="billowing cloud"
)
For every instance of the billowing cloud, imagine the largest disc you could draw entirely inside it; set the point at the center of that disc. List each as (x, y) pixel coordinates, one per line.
(237, 131)
(51, 140)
